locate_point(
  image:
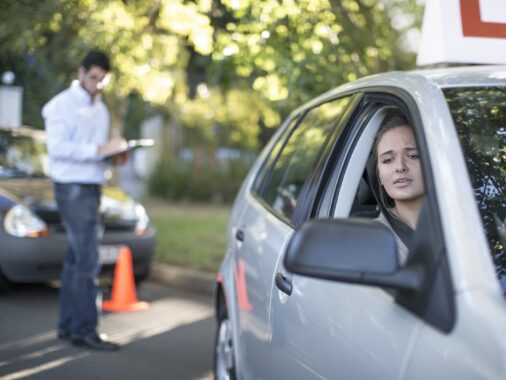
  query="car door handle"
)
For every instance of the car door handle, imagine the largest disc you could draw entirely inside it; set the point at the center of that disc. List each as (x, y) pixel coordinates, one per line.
(239, 235)
(284, 284)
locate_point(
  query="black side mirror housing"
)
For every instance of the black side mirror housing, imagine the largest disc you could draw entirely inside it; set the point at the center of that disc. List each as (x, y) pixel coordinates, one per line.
(360, 251)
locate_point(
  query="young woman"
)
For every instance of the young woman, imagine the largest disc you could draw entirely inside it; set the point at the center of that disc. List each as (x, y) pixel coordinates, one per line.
(400, 177)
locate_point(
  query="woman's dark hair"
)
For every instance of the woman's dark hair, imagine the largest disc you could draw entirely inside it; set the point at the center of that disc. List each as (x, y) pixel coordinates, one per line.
(96, 58)
(394, 122)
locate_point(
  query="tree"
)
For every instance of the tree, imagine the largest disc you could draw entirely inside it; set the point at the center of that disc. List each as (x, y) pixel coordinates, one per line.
(229, 69)
(43, 43)
(289, 51)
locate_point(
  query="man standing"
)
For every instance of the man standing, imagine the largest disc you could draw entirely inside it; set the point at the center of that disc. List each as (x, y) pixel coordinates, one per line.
(77, 127)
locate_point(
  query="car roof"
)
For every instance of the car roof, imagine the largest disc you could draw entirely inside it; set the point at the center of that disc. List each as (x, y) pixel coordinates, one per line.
(419, 79)
(464, 76)
(445, 77)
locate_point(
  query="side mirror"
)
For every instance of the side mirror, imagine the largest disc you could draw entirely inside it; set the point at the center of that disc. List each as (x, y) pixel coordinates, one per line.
(359, 251)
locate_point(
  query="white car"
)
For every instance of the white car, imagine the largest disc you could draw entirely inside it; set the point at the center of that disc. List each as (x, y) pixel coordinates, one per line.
(311, 287)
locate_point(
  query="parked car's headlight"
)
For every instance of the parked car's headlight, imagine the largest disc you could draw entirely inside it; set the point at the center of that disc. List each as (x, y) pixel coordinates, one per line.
(142, 220)
(20, 221)
(128, 210)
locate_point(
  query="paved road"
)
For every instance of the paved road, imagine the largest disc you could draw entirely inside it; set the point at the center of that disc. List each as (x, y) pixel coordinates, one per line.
(171, 340)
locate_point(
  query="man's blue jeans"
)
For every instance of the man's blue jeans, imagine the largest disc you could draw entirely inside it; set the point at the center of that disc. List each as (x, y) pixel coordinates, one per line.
(78, 205)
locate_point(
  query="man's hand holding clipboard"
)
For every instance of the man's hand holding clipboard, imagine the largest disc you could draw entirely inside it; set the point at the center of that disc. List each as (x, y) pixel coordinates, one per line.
(117, 150)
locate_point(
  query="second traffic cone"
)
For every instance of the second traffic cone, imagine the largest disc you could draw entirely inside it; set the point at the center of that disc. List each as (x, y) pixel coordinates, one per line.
(124, 295)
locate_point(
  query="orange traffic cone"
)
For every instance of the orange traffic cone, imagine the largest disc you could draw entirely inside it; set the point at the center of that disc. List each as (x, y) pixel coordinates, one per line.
(124, 295)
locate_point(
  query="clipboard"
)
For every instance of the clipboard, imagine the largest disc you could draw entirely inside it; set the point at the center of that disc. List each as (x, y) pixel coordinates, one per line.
(131, 146)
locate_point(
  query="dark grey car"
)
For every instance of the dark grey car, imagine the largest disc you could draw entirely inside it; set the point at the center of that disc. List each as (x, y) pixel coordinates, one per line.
(32, 237)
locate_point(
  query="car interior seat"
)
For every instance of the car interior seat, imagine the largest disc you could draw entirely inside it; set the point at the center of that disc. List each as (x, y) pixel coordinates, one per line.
(364, 204)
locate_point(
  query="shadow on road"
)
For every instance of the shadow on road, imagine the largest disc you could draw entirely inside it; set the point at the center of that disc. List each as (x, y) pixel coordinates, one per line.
(171, 340)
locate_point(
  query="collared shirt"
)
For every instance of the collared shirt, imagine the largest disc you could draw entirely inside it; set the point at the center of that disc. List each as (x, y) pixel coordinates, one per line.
(75, 127)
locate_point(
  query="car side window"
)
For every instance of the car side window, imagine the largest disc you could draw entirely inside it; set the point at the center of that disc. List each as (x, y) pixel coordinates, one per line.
(298, 157)
(479, 114)
(264, 173)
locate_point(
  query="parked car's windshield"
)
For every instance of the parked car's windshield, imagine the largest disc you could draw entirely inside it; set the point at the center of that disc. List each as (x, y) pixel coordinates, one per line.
(21, 156)
(479, 114)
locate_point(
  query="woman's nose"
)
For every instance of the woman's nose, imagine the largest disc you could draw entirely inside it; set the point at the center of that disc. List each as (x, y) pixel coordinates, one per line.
(401, 167)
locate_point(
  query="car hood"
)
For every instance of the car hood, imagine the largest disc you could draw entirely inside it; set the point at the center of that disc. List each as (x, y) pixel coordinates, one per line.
(117, 208)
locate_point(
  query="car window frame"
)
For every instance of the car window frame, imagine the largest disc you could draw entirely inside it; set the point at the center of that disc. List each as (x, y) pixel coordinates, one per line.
(435, 304)
(266, 167)
(317, 182)
(311, 183)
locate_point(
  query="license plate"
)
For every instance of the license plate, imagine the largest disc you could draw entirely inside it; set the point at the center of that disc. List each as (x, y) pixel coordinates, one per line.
(107, 254)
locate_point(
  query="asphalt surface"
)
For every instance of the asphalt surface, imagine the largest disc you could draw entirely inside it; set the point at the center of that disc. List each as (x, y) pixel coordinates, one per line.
(173, 339)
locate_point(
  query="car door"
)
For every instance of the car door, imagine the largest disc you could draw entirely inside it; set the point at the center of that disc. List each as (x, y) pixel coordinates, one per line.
(266, 223)
(333, 330)
(474, 130)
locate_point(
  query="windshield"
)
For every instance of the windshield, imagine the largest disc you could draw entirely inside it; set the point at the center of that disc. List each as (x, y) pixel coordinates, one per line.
(480, 117)
(21, 156)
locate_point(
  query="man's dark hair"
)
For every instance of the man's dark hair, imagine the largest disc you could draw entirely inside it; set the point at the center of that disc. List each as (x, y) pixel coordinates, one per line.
(96, 58)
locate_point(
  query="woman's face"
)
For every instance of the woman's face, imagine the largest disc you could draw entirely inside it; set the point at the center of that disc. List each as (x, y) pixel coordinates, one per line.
(399, 168)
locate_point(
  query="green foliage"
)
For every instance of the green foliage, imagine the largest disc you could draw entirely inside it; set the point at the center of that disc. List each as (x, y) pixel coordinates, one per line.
(36, 50)
(181, 181)
(229, 70)
(44, 41)
(289, 51)
(232, 119)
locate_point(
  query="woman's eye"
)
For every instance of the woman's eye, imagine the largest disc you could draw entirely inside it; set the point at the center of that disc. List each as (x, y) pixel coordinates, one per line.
(387, 160)
(414, 156)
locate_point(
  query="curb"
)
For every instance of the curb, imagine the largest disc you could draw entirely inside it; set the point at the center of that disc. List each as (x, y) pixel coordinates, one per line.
(183, 278)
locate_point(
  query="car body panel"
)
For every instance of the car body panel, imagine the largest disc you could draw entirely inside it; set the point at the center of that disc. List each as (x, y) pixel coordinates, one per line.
(37, 260)
(242, 214)
(330, 325)
(475, 349)
(255, 260)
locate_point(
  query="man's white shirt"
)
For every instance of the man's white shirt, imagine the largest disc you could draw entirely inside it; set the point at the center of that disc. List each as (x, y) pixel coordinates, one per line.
(75, 127)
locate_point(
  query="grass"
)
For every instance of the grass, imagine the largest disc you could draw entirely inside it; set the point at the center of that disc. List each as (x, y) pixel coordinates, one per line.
(191, 236)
